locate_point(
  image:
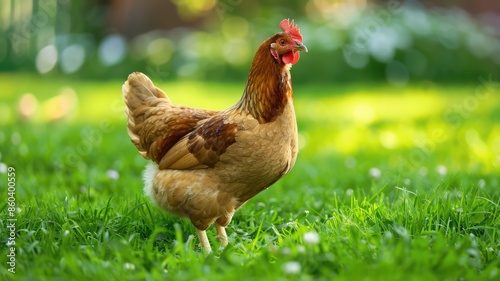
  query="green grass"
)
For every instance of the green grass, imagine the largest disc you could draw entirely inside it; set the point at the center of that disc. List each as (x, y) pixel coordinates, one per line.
(415, 221)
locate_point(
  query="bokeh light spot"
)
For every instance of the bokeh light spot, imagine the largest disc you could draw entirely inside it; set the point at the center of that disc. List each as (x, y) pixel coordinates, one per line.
(112, 50)
(46, 59)
(160, 50)
(235, 27)
(364, 113)
(27, 106)
(72, 58)
(388, 139)
(60, 105)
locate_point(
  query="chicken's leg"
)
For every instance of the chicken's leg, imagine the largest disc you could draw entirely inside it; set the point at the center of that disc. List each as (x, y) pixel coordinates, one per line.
(202, 236)
(221, 234)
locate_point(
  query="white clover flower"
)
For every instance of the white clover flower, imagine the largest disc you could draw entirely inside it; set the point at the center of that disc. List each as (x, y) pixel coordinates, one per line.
(387, 236)
(442, 170)
(301, 249)
(128, 266)
(375, 173)
(112, 174)
(292, 267)
(407, 181)
(481, 184)
(3, 168)
(349, 192)
(311, 238)
(285, 252)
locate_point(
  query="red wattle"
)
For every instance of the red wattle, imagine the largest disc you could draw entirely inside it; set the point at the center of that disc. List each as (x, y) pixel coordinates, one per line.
(291, 57)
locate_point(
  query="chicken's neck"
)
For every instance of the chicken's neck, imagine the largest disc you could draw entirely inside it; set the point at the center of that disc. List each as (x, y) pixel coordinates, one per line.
(268, 89)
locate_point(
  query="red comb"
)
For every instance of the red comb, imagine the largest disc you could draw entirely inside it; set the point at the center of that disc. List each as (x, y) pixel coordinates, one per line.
(291, 29)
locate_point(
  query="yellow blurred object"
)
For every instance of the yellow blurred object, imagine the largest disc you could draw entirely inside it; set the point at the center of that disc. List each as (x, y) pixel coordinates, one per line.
(60, 106)
(189, 9)
(343, 12)
(27, 106)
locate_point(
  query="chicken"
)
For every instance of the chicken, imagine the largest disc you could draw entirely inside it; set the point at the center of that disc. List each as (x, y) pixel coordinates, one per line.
(207, 164)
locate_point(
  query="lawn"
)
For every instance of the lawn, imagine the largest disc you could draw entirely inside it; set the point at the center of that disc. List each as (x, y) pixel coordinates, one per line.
(390, 184)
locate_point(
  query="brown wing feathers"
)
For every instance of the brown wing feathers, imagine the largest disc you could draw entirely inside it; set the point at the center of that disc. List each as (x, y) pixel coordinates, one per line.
(211, 140)
(175, 137)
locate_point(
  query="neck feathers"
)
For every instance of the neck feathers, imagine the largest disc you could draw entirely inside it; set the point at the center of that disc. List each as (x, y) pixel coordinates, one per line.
(269, 87)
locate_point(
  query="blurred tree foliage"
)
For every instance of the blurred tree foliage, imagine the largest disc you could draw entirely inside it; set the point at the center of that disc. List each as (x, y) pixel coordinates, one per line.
(395, 41)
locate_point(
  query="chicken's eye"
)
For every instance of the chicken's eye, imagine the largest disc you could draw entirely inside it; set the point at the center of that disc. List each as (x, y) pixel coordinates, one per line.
(282, 42)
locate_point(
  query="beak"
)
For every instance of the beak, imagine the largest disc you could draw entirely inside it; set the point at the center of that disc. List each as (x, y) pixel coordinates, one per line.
(300, 47)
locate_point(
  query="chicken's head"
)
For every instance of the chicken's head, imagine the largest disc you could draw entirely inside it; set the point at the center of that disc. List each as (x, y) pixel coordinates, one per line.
(287, 44)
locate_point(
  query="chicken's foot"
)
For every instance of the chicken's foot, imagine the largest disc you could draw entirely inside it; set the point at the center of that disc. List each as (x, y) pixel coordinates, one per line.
(221, 234)
(202, 236)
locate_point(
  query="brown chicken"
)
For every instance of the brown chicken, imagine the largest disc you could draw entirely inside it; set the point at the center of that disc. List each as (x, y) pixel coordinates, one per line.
(207, 164)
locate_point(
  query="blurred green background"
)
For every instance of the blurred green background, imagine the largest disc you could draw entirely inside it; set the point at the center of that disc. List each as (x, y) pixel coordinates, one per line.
(358, 40)
(398, 110)
(379, 77)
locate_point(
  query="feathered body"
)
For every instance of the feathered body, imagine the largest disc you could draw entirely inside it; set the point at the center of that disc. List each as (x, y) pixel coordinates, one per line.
(207, 164)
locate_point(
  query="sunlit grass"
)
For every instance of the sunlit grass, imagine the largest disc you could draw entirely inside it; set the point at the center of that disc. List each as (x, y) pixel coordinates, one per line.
(420, 119)
(392, 186)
